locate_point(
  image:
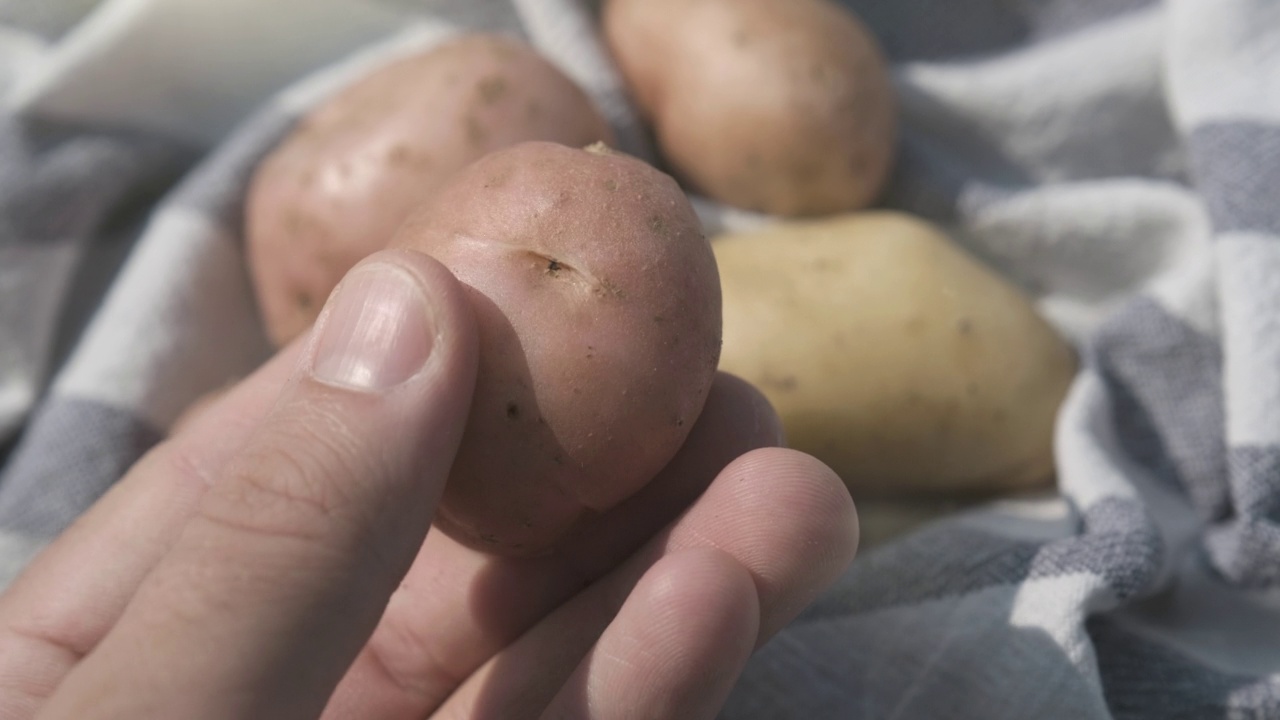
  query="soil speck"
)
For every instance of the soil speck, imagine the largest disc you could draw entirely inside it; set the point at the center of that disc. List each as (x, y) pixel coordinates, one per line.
(492, 89)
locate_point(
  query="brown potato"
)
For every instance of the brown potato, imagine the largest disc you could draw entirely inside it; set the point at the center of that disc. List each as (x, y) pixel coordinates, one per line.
(894, 356)
(598, 305)
(338, 188)
(780, 106)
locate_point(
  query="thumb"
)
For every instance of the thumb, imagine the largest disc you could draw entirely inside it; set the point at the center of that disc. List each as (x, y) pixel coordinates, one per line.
(278, 580)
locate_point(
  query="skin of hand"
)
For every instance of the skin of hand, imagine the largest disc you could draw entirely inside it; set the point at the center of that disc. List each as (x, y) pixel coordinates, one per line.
(274, 558)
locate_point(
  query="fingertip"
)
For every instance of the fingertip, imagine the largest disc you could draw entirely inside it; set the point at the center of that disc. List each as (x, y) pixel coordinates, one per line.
(787, 518)
(846, 522)
(746, 408)
(446, 293)
(811, 489)
(396, 316)
(677, 645)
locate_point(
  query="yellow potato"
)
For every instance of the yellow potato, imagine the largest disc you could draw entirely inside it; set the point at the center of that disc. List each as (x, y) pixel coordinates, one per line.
(780, 106)
(892, 355)
(341, 184)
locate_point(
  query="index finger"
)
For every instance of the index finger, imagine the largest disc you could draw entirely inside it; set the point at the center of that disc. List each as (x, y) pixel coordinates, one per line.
(66, 600)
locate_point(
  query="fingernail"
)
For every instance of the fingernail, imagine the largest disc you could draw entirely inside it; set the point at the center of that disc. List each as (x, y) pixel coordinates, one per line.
(378, 333)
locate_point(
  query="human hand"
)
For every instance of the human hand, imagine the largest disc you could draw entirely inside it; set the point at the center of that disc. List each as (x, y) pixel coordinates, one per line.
(274, 558)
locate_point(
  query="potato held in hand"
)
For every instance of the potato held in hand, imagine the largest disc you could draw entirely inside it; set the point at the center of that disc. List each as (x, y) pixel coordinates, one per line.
(599, 312)
(781, 106)
(893, 356)
(338, 188)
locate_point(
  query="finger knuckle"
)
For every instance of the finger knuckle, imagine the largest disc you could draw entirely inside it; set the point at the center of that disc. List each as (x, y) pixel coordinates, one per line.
(298, 480)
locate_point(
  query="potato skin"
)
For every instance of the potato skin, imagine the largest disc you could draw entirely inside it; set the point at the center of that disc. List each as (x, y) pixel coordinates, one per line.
(598, 304)
(780, 106)
(893, 356)
(341, 184)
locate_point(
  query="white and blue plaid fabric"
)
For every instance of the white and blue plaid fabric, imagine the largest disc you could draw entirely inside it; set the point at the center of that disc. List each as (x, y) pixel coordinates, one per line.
(1119, 159)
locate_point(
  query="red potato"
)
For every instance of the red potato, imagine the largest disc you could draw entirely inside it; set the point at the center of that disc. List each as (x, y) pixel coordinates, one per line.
(778, 106)
(339, 187)
(598, 302)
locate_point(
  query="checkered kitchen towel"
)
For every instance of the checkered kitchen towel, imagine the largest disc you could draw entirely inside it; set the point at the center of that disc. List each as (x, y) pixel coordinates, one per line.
(1120, 159)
